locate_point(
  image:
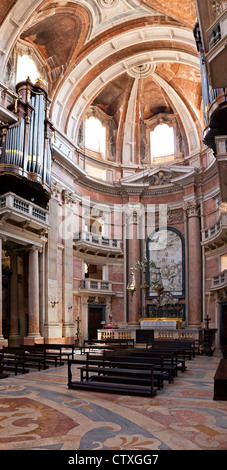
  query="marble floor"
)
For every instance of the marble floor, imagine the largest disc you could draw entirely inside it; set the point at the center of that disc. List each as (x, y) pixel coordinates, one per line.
(39, 412)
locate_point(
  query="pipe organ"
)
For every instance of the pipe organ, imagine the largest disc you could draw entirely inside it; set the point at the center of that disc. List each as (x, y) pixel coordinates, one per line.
(26, 151)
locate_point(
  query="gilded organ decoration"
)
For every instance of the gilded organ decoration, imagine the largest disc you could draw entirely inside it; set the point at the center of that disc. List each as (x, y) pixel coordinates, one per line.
(165, 251)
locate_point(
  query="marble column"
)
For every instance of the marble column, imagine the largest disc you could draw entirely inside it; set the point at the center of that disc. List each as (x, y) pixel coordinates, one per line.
(134, 301)
(14, 337)
(195, 265)
(33, 297)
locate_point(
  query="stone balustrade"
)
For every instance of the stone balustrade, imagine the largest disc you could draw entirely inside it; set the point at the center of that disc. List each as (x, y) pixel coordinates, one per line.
(215, 232)
(88, 238)
(22, 211)
(96, 285)
(220, 280)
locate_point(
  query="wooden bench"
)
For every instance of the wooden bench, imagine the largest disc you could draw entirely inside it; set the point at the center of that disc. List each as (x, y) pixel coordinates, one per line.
(158, 371)
(12, 363)
(106, 344)
(220, 381)
(171, 363)
(121, 379)
(47, 358)
(161, 362)
(51, 347)
(187, 347)
(177, 354)
(28, 359)
(175, 357)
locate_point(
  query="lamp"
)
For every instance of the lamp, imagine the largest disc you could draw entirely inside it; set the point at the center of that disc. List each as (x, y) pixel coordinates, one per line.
(131, 287)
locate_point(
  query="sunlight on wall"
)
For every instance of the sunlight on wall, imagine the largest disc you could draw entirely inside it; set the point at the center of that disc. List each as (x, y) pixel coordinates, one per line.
(223, 262)
(26, 67)
(95, 136)
(162, 141)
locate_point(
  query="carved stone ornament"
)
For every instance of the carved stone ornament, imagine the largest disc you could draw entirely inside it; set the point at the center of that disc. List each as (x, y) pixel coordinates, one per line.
(142, 71)
(174, 215)
(165, 253)
(68, 197)
(216, 8)
(192, 208)
(56, 189)
(108, 3)
(160, 178)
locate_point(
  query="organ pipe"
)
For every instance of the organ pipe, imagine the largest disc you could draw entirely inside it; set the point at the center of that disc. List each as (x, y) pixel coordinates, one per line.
(26, 145)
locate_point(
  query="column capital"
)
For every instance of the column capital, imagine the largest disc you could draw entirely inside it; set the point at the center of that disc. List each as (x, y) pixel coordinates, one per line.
(192, 208)
(3, 237)
(35, 248)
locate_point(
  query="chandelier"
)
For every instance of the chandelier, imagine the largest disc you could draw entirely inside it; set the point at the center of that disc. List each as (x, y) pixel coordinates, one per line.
(143, 266)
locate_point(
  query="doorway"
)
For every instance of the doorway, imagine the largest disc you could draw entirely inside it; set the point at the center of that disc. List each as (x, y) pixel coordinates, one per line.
(96, 314)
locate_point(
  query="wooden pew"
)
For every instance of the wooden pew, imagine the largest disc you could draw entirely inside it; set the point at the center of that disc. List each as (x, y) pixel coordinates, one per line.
(163, 361)
(12, 362)
(170, 359)
(220, 381)
(187, 347)
(159, 373)
(121, 378)
(28, 359)
(106, 344)
(47, 358)
(52, 347)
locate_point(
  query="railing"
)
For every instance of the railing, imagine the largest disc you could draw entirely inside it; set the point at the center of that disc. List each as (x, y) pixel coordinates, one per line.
(93, 284)
(215, 229)
(219, 280)
(16, 204)
(92, 238)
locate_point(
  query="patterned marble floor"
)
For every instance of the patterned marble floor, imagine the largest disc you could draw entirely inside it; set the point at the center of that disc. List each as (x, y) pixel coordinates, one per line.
(39, 412)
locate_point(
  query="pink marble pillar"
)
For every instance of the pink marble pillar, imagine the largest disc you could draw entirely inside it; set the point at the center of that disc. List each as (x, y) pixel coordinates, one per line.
(33, 296)
(134, 302)
(14, 325)
(195, 266)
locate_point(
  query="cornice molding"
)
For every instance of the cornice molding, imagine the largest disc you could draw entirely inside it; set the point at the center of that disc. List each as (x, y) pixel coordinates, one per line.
(153, 181)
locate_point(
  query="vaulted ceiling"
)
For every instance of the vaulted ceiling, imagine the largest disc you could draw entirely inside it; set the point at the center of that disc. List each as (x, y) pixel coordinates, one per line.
(108, 53)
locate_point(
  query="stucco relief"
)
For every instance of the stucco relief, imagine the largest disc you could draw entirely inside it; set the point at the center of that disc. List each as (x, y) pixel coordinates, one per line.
(166, 264)
(108, 3)
(216, 8)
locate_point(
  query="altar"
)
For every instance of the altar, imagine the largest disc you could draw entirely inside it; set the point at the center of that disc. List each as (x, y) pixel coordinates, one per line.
(160, 323)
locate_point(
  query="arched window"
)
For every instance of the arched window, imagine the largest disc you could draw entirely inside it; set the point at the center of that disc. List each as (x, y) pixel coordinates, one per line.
(162, 141)
(95, 136)
(26, 67)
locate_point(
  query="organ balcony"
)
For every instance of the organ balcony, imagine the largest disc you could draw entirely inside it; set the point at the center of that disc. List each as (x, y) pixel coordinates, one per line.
(25, 144)
(216, 235)
(92, 243)
(23, 213)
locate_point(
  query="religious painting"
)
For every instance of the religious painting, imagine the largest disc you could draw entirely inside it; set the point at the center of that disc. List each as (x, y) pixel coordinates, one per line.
(165, 253)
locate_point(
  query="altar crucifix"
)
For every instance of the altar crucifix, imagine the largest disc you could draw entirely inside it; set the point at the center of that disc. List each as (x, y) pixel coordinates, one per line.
(207, 320)
(78, 321)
